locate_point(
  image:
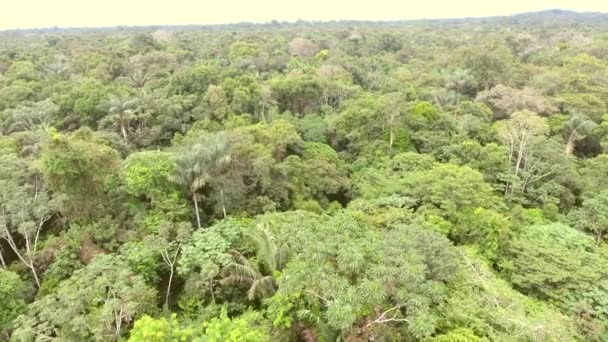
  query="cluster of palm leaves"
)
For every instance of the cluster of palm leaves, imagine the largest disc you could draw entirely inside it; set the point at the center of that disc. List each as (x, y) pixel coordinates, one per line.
(258, 273)
(197, 165)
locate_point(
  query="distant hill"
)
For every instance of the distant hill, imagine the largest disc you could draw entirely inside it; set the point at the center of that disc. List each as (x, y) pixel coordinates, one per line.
(546, 18)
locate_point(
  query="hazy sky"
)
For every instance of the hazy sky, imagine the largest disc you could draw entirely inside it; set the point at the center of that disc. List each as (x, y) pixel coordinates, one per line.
(64, 13)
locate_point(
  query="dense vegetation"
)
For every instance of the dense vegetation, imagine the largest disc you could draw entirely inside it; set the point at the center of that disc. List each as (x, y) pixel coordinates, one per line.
(438, 181)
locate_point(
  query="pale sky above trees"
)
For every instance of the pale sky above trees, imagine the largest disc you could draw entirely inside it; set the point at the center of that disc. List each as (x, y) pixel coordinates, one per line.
(92, 13)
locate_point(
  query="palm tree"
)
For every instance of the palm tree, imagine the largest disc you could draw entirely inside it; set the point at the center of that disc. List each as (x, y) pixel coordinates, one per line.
(271, 257)
(575, 129)
(123, 107)
(460, 80)
(138, 79)
(201, 164)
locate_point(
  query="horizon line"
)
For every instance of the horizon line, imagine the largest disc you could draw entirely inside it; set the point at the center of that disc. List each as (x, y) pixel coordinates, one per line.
(288, 22)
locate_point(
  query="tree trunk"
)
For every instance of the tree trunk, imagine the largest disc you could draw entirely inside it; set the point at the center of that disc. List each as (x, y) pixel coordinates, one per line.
(390, 144)
(198, 217)
(29, 263)
(263, 115)
(223, 204)
(169, 288)
(31, 266)
(2, 262)
(569, 146)
(118, 320)
(123, 129)
(520, 153)
(211, 290)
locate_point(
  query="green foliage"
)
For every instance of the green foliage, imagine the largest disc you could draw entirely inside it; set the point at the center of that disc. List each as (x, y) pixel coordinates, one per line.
(79, 166)
(450, 188)
(271, 258)
(31, 116)
(458, 335)
(489, 307)
(83, 99)
(12, 290)
(95, 303)
(488, 229)
(148, 329)
(241, 50)
(249, 327)
(193, 80)
(296, 94)
(147, 174)
(200, 164)
(306, 181)
(359, 122)
(208, 250)
(357, 272)
(592, 216)
(12, 95)
(559, 264)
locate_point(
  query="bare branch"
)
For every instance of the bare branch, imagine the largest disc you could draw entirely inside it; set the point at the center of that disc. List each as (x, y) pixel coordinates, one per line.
(318, 296)
(383, 319)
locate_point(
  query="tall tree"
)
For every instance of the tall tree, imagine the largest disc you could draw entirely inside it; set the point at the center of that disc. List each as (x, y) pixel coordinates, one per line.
(122, 108)
(521, 134)
(25, 206)
(576, 128)
(199, 164)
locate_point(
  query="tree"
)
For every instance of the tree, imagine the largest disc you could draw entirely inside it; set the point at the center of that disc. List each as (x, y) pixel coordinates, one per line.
(200, 164)
(147, 173)
(271, 256)
(461, 81)
(96, 302)
(149, 329)
(168, 243)
(202, 258)
(146, 69)
(25, 206)
(521, 135)
(489, 159)
(360, 122)
(488, 229)
(11, 96)
(363, 281)
(79, 165)
(302, 47)
(123, 108)
(298, 93)
(450, 189)
(504, 101)
(592, 216)
(593, 173)
(490, 64)
(561, 265)
(459, 335)
(394, 115)
(30, 117)
(576, 128)
(243, 50)
(12, 290)
(490, 308)
(217, 103)
(23, 70)
(249, 327)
